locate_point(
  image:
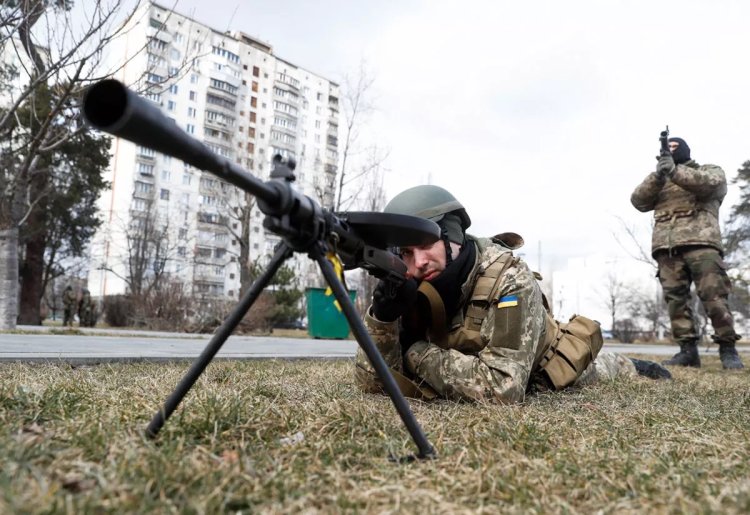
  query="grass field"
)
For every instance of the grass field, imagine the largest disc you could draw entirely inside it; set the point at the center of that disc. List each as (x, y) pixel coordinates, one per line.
(297, 436)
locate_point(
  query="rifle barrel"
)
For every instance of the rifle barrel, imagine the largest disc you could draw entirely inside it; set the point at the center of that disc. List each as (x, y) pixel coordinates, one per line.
(111, 107)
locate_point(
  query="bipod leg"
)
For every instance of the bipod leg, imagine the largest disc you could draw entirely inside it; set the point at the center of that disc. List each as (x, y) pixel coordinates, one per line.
(218, 339)
(426, 450)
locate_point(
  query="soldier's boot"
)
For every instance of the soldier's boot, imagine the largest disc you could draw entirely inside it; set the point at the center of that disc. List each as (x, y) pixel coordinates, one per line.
(729, 358)
(687, 357)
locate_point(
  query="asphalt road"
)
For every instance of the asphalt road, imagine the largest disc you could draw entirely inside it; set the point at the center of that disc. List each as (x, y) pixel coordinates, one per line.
(96, 346)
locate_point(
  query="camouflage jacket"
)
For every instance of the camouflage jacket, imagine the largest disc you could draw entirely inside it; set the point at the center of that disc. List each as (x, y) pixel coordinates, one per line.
(69, 298)
(497, 364)
(686, 206)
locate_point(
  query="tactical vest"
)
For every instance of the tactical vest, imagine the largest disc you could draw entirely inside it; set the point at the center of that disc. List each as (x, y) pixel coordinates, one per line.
(562, 356)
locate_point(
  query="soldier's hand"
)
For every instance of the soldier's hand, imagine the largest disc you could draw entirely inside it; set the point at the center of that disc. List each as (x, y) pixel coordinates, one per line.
(665, 167)
(389, 303)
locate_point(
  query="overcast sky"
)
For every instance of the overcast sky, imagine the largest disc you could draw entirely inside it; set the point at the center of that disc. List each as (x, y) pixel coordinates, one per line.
(540, 116)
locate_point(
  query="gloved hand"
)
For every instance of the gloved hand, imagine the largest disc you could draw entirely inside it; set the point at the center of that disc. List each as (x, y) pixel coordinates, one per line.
(665, 167)
(388, 305)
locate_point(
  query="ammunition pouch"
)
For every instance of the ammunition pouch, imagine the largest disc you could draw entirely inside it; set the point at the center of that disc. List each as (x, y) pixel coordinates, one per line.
(664, 216)
(411, 389)
(571, 347)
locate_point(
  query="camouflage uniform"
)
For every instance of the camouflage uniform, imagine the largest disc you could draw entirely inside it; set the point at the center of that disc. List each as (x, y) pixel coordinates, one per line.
(86, 311)
(502, 363)
(686, 244)
(69, 306)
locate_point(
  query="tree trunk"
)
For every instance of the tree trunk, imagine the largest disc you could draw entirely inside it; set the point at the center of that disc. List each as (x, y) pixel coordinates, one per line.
(32, 275)
(244, 258)
(8, 278)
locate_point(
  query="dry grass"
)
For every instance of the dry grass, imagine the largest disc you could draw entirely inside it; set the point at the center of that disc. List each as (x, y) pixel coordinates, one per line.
(71, 441)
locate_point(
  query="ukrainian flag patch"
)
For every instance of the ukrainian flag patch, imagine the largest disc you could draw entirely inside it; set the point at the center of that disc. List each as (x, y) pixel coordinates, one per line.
(507, 302)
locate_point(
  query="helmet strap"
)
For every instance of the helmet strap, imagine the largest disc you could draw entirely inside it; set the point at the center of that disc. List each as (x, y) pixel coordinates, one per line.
(447, 243)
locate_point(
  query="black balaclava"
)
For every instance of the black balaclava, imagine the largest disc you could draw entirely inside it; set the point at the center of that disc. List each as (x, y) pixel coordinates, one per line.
(682, 154)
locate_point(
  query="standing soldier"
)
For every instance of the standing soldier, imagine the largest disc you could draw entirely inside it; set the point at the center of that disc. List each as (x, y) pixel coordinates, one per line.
(686, 245)
(86, 310)
(69, 305)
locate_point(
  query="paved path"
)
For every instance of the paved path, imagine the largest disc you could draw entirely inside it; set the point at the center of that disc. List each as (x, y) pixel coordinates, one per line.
(97, 346)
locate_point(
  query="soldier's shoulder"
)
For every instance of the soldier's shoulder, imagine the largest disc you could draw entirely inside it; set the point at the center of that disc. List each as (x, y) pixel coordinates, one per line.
(706, 166)
(490, 251)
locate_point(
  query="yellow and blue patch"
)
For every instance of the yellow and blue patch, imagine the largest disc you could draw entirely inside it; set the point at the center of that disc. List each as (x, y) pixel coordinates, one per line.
(507, 302)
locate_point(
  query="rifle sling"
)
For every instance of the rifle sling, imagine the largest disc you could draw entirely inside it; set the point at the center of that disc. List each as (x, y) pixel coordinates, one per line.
(438, 326)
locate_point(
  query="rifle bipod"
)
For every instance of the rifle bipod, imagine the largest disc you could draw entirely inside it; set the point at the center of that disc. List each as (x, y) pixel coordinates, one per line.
(360, 239)
(283, 252)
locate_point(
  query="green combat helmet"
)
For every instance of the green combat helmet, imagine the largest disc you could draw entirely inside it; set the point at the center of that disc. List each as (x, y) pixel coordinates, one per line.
(433, 203)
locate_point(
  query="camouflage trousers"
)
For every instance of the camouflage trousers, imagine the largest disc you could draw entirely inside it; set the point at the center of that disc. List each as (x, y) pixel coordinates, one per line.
(704, 267)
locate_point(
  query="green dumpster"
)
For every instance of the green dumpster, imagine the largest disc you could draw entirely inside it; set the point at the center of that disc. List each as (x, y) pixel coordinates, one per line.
(324, 320)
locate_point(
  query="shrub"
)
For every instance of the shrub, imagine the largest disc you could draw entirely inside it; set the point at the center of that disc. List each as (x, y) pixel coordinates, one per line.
(118, 310)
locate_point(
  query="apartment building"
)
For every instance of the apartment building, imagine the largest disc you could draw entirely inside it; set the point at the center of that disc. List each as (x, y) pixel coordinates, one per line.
(232, 93)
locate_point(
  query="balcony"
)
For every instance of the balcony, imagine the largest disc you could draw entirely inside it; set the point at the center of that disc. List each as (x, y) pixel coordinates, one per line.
(288, 81)
(159, 34)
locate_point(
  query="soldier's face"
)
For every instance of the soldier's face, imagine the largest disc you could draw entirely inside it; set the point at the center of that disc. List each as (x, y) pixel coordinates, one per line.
(425, 262)
(673, 146)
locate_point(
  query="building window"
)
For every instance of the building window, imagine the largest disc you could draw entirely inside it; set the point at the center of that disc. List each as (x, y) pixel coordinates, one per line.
(187, 179)
(193, 95)
(191, 112)
(190, 129)
(143, 187)
(173, 89)
(256, 71)
(164, 194)
(252, 117)
(166, 175)
(171, 105)
(145, 169)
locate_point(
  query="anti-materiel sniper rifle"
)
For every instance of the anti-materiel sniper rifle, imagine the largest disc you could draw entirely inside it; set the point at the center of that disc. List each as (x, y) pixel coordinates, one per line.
(359, 239)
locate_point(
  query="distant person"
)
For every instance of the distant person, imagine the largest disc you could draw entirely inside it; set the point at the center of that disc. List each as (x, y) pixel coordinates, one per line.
(86, 310)
(471, 322)
(69, 299)
(686, 245)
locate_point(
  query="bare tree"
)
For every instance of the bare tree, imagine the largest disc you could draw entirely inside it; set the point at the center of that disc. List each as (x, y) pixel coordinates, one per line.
(57, 57)
(613, 295)
(649, 308)
(631, 244)
(358, 161)
(149, 245)
(375, 201)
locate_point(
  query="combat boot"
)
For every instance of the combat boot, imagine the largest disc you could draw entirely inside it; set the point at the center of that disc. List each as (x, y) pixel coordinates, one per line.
(687, 357)
(729, 358)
